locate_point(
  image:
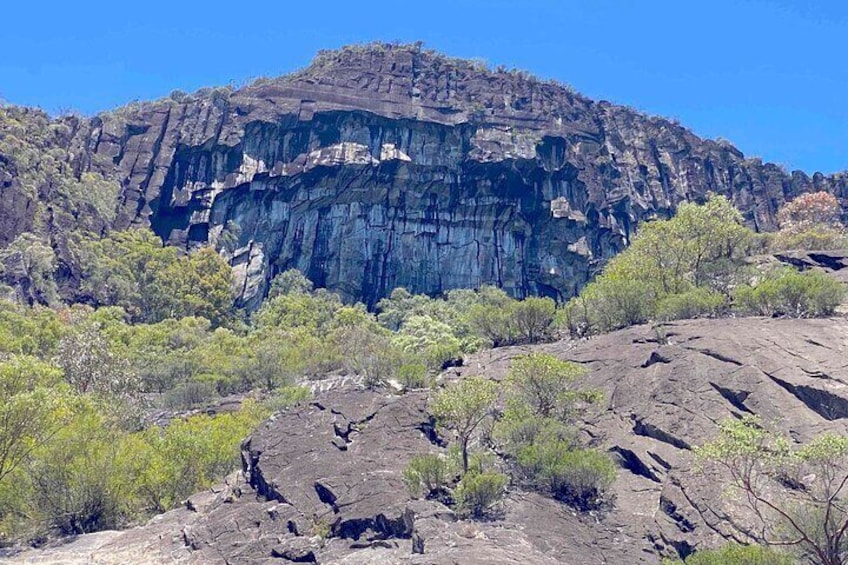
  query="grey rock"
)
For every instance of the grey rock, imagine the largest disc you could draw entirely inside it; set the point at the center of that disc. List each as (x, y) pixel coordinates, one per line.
(297, 483)
(391, 166)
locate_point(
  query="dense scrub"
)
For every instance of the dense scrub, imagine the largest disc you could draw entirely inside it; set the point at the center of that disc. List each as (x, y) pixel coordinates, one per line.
(149, 328)
(528, 430)
(696, 264)
(78, 452)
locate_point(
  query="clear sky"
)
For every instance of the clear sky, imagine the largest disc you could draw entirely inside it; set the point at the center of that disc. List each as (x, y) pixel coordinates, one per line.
(769, 75)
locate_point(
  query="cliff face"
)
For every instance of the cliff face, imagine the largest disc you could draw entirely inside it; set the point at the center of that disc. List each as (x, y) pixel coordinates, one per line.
(391, 166)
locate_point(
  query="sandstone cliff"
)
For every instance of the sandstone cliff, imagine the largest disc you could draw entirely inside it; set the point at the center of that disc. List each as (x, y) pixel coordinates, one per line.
(386, 166)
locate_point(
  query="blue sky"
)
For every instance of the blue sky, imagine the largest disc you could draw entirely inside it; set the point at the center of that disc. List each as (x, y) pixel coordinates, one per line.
(769, 75)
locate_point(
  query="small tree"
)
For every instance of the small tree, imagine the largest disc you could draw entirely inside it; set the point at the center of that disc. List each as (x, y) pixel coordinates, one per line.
(796, 496)
(291, 281)
(31, 263)
(809, 211)
(533, 318)
(35, 406)
(464, 406)
(547, 385)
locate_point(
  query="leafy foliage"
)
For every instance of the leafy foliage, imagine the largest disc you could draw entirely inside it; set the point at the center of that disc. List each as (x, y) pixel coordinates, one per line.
(477, 493)
(426, 475)
(787, 292)
(463, 406)
(693, 265)
(795, 496)
(734, 554)
(545, 385)
(543, 397)
(36, 405)
(152, 283)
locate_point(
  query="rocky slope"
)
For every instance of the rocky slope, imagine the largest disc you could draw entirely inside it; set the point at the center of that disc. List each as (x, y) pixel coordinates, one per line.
(334, 467)
(385, 166)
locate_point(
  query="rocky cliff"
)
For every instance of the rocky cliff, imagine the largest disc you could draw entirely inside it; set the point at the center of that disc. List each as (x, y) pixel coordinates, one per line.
(385, 166)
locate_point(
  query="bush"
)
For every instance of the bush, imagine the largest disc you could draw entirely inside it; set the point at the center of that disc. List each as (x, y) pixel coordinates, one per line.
(286, 397)
(609, 303)
(414, 375)
(189, 395)
(809, 239)
(545, 385)
(478, 493)
(426, 475)
(493, 323)
(519, 428)
(533, 318)
(578, 477)
(734, 554)
(430, 339)
(810, 211)
(696, 303)
(700, 247)
(162, 467)
(810, 294)
(75, 479)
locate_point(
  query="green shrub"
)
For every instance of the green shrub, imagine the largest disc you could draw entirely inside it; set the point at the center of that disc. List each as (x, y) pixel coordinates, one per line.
(430, 339)
(696, 303)
(810, 294)
(287, 396)
(493, 323)
(702, 246)
(533, 319)
(162, 467)
(426, 475)
(578, 477)
(414, 375)
(519, 428)
(189, 395)
(821, 237)
(477, 493)
(609, 303)
(734, 554)
(546, 385)
(75, 479)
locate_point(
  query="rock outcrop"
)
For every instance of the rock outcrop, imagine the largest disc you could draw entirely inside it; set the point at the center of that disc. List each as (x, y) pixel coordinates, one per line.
(323, 484)
(385, 166)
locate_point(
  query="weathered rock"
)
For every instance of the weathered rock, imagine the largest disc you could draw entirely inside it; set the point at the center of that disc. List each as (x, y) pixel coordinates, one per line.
(387, 166)
(323, 484)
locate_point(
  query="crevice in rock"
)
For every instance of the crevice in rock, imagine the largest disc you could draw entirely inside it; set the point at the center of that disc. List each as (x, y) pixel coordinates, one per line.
(255, 478)
(832, 263)
(294, 556)
(826, 404)
(662, 462)
(816, 374)
(670, 509)
(429, 430)
(735, 397)
(380, 526)
(326, 496)
(641, 428)
(716, 355)
(656, 357)
(630, 461)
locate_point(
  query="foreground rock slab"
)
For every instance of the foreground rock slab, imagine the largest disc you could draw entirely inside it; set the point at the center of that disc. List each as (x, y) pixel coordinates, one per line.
(323, 484)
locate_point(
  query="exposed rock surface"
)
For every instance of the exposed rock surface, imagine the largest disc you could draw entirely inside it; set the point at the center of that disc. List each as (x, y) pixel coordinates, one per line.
(386, 166)
(334, 467)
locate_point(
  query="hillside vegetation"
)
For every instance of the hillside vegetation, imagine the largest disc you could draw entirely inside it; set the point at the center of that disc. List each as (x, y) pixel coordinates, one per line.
(81, 449)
